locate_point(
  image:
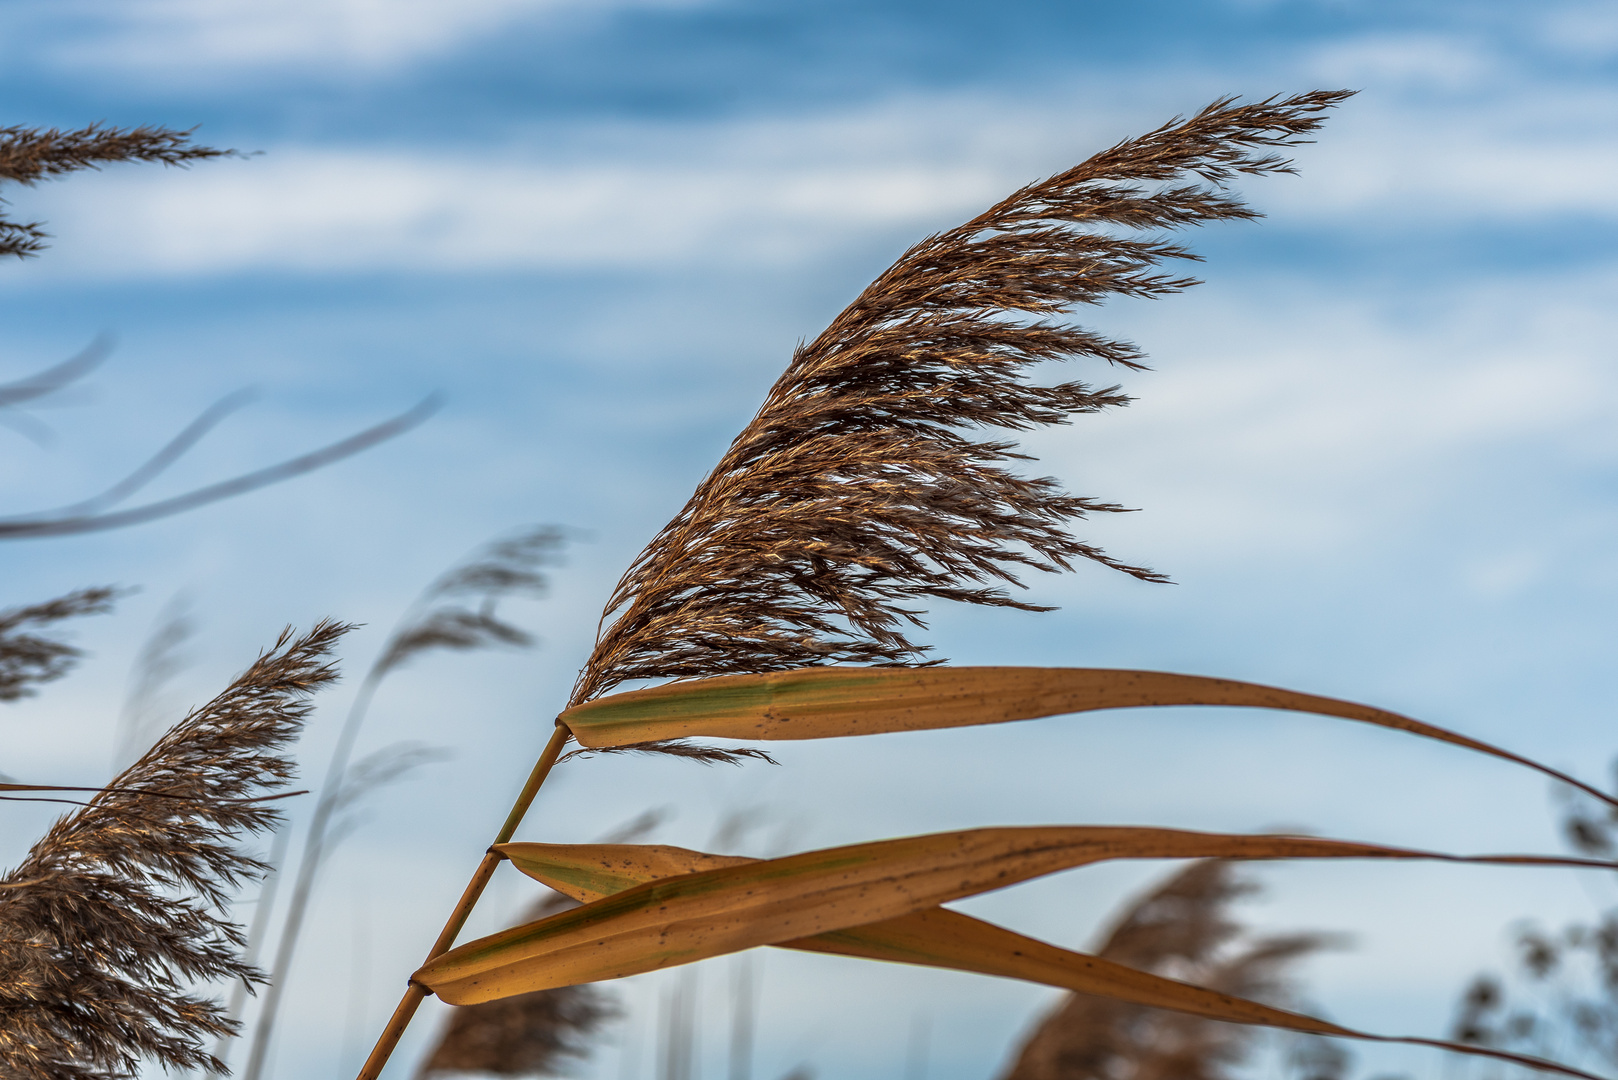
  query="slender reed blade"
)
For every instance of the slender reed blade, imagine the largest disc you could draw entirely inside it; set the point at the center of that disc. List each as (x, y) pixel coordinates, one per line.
(678, 920)
(938, 937)
(830, 702)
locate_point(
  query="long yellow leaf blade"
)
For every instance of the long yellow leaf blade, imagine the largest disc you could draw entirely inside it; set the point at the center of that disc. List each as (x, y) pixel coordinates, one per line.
(937, 937)
(827, 702)
(933, 937)
(589, 872)
(678, 920)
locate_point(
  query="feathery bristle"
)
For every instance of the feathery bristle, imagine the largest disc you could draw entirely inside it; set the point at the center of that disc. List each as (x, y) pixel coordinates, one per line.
(28, 155)
(1561, 999)
(853, 498)
(119, 907)
(27, 659)
(443, 618)
(534, 1034)
(706, 755)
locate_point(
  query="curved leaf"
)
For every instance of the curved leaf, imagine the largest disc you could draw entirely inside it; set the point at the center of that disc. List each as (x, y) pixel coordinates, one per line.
(677, 920)
(933, 937)
(937, 937)
(827, 702)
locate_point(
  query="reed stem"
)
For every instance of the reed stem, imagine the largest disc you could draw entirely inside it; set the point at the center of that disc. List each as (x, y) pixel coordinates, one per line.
(415, 993)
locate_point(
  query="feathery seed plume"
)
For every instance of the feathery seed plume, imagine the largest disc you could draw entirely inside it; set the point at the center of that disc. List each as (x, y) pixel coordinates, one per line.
(855, 496)
(118, 909)
(29, 155)
(27, 659)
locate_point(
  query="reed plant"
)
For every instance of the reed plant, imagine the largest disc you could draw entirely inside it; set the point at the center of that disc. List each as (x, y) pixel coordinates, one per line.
(31, 155)
(782, 600)
(458, 612)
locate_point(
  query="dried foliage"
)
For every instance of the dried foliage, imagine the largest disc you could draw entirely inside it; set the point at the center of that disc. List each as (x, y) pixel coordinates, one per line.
(95, 514)
(28, 658)
(29, 155)
(118, 909)
(1183, 930)
(1562, 999)
(98, 512)
(705, 755)
(855, 496)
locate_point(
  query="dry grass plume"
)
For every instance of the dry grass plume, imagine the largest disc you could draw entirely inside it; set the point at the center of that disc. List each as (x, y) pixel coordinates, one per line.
(857, 495)
(118, 911)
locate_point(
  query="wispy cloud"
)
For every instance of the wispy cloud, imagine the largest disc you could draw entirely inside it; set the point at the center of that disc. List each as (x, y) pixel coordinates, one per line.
(1290, 421)
(176, 39)
(783, 189)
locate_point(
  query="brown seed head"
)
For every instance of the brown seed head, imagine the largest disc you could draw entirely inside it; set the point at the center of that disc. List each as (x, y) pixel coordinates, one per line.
(857, 496)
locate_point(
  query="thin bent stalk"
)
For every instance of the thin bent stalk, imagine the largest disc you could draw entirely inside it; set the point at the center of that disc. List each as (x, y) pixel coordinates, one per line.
(303, 887)
(415, 993)
(438, 620)
(262, 907)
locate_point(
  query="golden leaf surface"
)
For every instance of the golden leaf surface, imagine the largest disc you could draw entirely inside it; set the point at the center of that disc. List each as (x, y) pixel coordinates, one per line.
(828, 702)
(676, 920)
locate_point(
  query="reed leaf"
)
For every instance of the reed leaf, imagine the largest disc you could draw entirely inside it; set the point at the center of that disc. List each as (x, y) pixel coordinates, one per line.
(938, 937)
(828, 702)
(678, 920)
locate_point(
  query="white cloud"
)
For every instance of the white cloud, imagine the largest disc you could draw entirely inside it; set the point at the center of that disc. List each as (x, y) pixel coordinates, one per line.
(1430, 60)
(635, 196)
(1525, 154)
(176, 39)
(1272, 404)
(355, 211)
(1586, 30)
(782, 189)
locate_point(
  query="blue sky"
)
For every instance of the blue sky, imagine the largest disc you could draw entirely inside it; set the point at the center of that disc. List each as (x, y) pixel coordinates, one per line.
(1377, 452)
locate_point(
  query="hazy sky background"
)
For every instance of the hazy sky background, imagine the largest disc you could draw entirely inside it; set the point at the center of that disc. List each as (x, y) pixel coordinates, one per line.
(1377, 453)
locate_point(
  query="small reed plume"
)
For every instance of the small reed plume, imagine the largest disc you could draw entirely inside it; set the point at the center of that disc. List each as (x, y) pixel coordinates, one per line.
(1183, 930)
(1562, 996)
(29, 155)
(855, 496)
(28, 658)
(537, 1034)
(118, 910)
